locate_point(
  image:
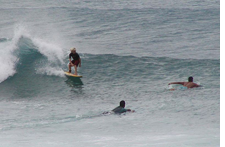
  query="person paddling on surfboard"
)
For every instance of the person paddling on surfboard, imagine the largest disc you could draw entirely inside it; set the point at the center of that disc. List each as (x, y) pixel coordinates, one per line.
(76, 60)
(189, 84)
(121, 108)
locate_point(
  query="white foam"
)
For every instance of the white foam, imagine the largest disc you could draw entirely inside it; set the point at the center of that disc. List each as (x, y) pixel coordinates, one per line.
(51, 71)
(50, 50)
(8, 61)
(54, 53)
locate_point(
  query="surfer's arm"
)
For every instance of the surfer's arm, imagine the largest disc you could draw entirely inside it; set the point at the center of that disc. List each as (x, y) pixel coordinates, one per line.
(70, 62)
(70, 59)
(182, 83)
(79, 62)
(129, 110)
(196, 85)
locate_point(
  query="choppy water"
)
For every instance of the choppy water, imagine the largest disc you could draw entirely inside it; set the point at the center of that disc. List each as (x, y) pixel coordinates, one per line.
(130, 50)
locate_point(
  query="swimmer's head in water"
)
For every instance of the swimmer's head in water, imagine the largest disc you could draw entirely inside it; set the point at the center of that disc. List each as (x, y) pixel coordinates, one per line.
(122, 103)
(190, 79)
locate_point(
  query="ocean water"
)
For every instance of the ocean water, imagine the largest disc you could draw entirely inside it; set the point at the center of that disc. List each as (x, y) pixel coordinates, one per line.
(130, 50)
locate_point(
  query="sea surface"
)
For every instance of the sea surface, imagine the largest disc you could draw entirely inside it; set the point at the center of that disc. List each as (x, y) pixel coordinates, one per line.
(130, 50)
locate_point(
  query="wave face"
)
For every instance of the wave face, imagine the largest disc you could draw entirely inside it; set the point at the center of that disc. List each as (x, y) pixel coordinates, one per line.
(37, 69)
(50, 100)
(24, 51)
(130, 50)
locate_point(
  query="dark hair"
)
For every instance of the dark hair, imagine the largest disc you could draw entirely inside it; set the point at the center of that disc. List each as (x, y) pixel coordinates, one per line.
(122, 103)
(190, 79)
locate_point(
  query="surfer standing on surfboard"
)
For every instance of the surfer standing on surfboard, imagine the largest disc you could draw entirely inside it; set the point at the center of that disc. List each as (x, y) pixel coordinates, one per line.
(189, 84)
(76, 60)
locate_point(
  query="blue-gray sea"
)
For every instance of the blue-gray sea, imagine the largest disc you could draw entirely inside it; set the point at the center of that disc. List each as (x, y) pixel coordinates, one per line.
(130, 50)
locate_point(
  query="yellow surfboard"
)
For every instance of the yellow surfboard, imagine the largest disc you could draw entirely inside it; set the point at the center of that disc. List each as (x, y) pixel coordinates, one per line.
(72, 75)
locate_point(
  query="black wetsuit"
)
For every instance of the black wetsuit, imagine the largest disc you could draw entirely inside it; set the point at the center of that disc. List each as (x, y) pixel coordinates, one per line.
(119, 110)
(74, 56)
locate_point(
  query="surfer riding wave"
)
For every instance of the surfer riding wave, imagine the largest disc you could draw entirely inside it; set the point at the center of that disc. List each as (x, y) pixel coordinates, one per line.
(76, 60)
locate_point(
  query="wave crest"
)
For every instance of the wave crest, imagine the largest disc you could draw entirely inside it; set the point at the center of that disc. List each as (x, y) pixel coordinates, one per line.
(24, 49)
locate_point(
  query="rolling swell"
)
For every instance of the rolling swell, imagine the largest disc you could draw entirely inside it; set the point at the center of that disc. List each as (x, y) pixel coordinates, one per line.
(128, 67)
(104, 69)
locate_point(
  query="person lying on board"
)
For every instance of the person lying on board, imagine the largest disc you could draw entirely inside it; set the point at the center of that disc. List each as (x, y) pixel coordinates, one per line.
(76, 60)
(120, 109)
(189, 84)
